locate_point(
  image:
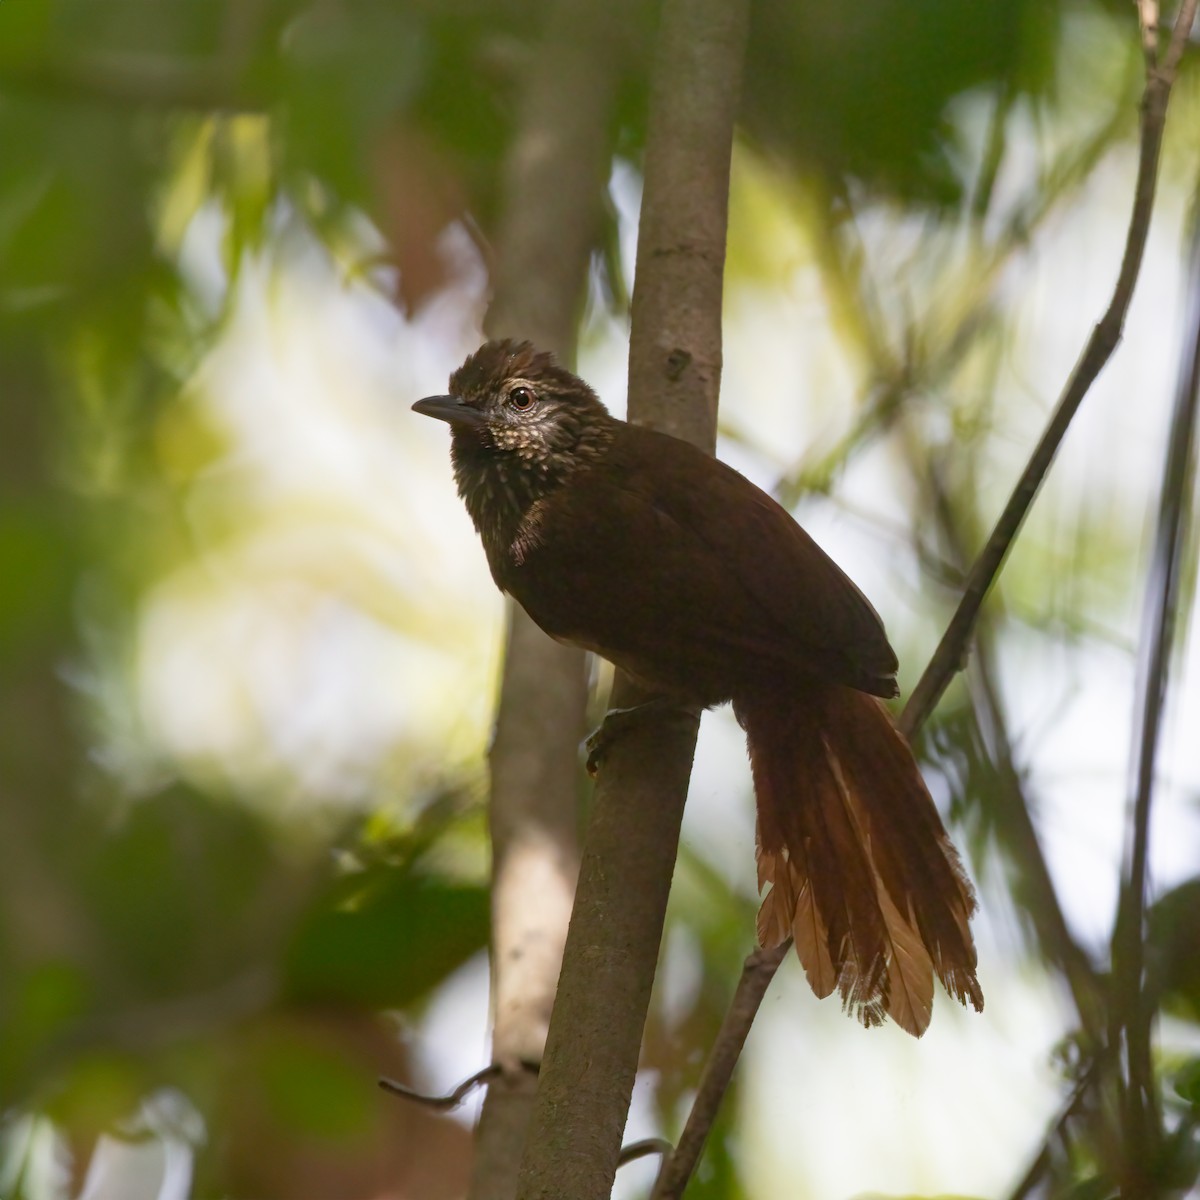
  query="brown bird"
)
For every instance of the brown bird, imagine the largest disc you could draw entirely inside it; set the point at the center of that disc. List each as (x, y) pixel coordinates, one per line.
(677, 569)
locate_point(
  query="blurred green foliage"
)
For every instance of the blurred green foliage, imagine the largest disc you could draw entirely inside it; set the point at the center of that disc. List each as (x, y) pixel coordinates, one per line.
(177, 934)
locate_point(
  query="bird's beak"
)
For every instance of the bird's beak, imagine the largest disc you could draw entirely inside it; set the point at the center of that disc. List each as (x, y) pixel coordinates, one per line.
(449, 408)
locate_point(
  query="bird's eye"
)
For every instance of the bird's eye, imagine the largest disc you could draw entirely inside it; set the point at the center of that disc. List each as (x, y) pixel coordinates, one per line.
(521, 398)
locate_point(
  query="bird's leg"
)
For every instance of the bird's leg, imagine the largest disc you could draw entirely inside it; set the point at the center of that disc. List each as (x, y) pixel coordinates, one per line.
(619, 721)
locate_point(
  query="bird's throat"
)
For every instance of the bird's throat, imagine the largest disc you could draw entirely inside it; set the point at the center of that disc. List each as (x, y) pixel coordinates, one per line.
(499, 486)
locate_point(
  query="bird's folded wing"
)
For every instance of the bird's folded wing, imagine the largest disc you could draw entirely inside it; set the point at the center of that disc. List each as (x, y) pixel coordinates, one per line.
(668, 554)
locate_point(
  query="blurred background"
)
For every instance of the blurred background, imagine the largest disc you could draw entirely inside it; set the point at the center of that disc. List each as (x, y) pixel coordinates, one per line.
(249, 645)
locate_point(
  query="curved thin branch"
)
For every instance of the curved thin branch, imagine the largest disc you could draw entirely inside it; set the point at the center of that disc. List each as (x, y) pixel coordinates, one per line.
(1132, 1011)
(951, 652)
(643, 1149)
(452, 1099)
(757, 974)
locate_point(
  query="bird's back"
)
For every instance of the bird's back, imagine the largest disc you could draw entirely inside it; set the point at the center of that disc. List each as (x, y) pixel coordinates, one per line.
(679, 569)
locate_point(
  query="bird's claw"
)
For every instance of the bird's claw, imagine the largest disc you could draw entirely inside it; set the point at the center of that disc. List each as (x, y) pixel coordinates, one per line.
(619, 721)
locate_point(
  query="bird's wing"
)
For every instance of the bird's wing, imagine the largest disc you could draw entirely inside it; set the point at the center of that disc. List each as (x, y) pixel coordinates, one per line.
(677, 567)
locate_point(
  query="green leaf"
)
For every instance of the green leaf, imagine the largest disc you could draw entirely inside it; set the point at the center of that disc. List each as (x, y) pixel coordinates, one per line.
(385, 938)
(1187, 1082)
(1173, 949)
(311, 1087)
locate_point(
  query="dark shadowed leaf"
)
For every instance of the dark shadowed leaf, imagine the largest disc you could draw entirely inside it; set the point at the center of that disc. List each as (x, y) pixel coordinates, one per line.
(385, 938)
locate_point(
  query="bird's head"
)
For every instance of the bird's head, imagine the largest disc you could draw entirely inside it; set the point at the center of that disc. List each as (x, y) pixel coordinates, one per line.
(521, 425)
(517, 403)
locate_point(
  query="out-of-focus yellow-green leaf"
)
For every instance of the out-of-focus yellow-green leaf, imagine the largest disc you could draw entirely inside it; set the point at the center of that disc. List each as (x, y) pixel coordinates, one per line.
(100, 1089)
(310, 1087)
(186, 441)
(244, 178)
(189, 183)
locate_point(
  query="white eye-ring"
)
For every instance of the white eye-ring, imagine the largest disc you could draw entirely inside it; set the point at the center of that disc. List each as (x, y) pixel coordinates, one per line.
(522, 399)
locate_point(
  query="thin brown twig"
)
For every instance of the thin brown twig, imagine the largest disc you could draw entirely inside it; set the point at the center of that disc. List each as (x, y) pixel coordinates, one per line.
(949, 656)
(453, 1098)
(643, 1149)
(757, 974)
(1041, 1163)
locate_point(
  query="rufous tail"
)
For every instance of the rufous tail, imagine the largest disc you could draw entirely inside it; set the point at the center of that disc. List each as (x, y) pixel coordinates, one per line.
(862, 874)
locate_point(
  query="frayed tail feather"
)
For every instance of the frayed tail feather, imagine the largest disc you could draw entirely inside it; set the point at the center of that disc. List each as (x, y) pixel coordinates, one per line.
(861, 872)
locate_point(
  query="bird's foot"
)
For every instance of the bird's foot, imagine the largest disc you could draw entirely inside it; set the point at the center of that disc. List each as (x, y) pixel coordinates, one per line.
(619, 721)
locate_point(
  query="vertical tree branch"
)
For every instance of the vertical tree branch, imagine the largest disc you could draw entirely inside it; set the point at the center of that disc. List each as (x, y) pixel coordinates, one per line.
(675, 358)
(554, 187)
(1132, 1010)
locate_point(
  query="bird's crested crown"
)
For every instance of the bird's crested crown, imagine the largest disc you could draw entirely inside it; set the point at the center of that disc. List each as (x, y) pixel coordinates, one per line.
(498, 362)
